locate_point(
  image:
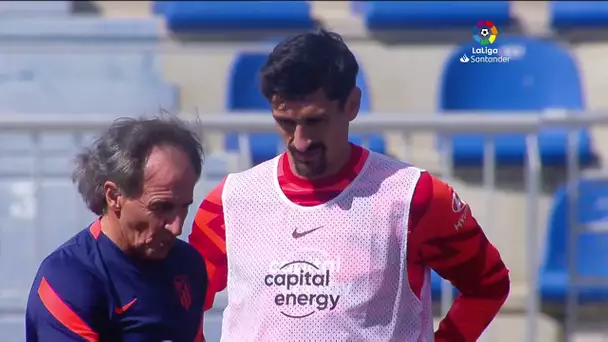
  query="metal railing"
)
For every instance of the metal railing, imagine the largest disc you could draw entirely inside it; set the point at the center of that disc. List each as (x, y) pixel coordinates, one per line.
(530, 125)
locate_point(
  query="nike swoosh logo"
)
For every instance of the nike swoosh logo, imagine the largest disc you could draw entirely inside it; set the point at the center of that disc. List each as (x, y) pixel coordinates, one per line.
(297, 235)
(122, 310)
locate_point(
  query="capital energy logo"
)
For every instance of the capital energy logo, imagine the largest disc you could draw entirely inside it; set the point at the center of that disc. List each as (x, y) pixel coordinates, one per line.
(304, 286)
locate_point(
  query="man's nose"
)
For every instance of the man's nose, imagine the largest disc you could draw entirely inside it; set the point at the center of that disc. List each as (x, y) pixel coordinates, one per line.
(175, 227)
(301, 141)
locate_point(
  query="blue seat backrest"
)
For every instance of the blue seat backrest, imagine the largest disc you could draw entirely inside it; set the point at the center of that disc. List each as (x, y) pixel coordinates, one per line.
(237, 15)
(81, 66)
(540, 75)
(434, 15)
(578, 14)
(30, 9)
(244, 95)
(592, 243)
(244, 87)
(82, 97)
(159, 7)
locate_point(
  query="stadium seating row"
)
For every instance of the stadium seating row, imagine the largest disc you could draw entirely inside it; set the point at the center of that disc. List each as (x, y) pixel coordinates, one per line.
(377, 15)
(117, 83)
(122, 83)
(541, 76)
(589, 250)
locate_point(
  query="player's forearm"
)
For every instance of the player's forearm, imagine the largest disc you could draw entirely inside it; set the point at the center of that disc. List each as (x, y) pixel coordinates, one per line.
(473, 311)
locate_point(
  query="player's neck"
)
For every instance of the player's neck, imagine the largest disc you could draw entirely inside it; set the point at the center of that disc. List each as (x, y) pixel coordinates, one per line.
(111, 228)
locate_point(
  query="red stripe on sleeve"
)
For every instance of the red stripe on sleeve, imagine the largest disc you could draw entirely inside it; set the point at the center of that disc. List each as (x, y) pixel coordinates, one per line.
(63, 313)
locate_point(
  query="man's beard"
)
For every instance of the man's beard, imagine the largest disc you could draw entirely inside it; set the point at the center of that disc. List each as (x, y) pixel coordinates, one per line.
(313, 168)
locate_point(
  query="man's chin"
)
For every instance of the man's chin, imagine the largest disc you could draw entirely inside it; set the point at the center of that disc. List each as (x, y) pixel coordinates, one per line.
(308, 170)
(158, 253)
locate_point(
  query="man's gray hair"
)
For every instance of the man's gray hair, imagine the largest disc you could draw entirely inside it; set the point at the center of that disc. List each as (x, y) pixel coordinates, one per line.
(120, 155)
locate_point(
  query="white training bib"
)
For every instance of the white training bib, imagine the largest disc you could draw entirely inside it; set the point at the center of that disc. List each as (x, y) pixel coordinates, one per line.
(332, 272)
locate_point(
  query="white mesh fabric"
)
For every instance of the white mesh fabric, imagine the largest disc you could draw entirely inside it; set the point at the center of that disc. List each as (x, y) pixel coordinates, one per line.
(345, 281)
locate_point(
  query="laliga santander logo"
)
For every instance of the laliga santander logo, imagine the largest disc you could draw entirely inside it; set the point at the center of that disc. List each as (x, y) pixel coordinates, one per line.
(485, 32)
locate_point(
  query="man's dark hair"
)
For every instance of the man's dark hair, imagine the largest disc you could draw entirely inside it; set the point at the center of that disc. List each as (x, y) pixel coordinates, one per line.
(120, 156)
(307, 62)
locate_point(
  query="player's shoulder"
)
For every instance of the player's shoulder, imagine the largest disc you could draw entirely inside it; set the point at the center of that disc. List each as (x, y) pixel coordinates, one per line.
(185, 253)
(185, 259)
(435, 193)
(68, 276)
(392, 163)
(214, 197)
(73, 258)
(395, 168)
(258, 171)
(424, 179)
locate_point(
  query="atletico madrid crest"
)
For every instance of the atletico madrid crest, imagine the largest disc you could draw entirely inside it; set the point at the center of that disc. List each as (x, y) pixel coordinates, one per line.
(182, 287)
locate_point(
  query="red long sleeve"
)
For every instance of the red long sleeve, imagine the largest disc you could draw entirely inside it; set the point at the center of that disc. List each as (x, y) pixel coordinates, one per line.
(444, 235)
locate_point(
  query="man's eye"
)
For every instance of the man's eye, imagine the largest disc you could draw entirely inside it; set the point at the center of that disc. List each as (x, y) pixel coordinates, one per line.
(163, 207)
(287, 125)
(314, 121)
(285, 122)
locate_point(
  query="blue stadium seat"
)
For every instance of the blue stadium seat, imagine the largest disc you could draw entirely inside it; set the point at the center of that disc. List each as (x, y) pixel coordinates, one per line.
(578, 14)
(395, 15)
(237, 15)
(591, 243)
(541, 75)
(159, 7)
(78, 97)
(435, 286)
(82, 66)
(244, 95)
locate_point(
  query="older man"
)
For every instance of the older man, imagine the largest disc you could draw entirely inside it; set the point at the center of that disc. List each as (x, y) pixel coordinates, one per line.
(126, 277)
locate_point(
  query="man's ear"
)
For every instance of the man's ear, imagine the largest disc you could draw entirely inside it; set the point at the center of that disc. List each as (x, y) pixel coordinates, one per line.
(112, 194)
(353, 103)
